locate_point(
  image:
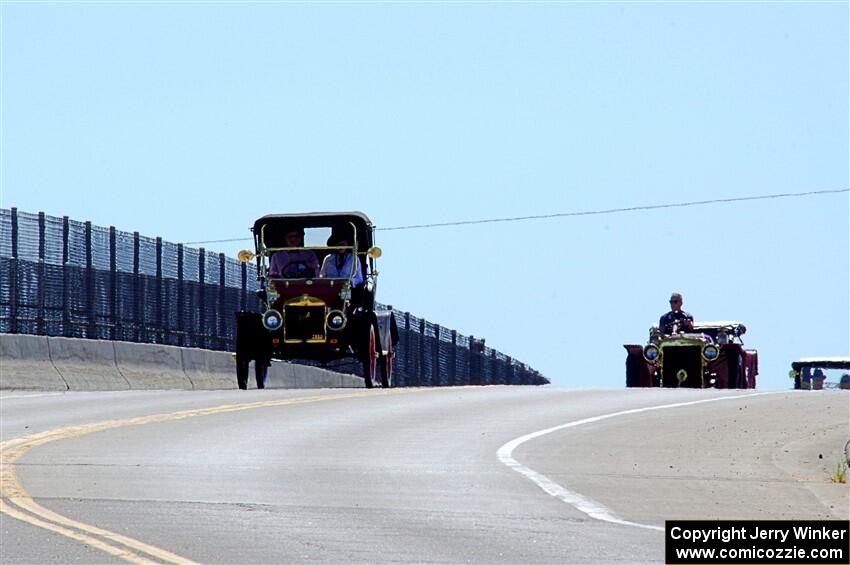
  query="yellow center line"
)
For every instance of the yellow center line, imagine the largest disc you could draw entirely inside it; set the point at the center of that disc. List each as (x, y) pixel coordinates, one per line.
(15, 501)
(93, 542)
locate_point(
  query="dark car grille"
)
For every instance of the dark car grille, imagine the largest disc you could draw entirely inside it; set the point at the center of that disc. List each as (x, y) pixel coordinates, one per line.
(304, 323)
(678, 357)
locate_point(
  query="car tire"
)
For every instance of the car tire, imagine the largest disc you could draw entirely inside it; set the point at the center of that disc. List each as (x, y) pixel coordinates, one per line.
(261, 371)
(632, 370)
(736, 372)
(368, 357)
(387, 366)
(242, 367)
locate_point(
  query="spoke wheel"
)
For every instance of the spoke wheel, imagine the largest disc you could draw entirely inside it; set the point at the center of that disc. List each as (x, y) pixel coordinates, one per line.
(736, 372)
(261, 371)
(369, 358)
(387, 366)
(242, 367)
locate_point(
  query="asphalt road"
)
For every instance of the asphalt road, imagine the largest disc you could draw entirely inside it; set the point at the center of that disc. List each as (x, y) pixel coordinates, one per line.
(341, 476)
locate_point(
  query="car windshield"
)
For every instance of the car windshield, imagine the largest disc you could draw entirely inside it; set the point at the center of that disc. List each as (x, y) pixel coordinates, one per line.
(818, 378)
(710, 332)
(316, 237)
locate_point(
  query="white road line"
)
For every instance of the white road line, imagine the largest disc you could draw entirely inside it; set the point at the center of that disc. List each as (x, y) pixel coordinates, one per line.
(26, 395)
(35, 395)
(581, 503)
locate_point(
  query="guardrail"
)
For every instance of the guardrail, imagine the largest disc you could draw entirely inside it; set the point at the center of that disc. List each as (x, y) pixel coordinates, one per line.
(62, 277)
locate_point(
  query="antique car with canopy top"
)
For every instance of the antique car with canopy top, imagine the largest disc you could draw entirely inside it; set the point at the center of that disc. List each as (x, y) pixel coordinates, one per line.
(710, 355)
(319, 316)
(808, 372)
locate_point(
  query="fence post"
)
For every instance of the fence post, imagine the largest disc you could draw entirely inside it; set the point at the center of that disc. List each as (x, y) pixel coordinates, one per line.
(13, 276)
(476, 351)
(222, 328)
(474, 369)
(406, 346)
(243, 296)
(394, 360)
(181, 328)
(453, 360)
(113, 287)
(199, 340)
(91, 326)
(166, 322)
(159, 334)
(436, 377)
(481, 353)
(66, 285)
(138, 314)
(40, 276)
(419, 373)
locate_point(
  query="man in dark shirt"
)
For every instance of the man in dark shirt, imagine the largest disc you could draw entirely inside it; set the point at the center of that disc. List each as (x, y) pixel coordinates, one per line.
(675, 317)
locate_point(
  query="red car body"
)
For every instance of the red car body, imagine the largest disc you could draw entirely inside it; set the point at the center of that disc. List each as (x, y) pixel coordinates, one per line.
(712, 355)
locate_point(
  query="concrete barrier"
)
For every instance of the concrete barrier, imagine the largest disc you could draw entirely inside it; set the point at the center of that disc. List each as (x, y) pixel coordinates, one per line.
(281, 375)
(86, 364)
(350, 381)
(292, 375)
(150, 366)
(25, 364)
(30, 362)
(209, 370)
(316, 377)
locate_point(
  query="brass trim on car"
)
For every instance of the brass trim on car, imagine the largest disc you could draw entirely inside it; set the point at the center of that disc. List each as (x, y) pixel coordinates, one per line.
(302, 301)
(705, 358)
(344, 320)
(657, 359)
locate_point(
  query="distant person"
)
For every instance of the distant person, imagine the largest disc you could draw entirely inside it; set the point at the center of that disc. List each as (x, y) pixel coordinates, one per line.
(341, 263)
(818, 377)
(297, 264)
(676, 317)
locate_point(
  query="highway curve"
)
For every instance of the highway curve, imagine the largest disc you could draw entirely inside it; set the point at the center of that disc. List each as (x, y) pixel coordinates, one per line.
(409, 475)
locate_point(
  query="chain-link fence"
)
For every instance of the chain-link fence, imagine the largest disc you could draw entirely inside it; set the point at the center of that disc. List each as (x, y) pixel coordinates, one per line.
(61, 277)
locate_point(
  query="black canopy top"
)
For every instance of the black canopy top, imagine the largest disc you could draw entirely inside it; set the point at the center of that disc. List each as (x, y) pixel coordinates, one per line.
(822, 362)
(277, 225)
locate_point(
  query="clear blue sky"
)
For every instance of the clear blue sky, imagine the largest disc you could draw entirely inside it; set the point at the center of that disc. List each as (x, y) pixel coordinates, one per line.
(189, 120)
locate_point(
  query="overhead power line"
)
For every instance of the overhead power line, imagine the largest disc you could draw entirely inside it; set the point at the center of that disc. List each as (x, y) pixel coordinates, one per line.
(617, 210)
(583, 213)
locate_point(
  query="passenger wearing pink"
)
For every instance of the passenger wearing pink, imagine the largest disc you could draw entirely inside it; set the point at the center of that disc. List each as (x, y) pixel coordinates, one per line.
(298, 264)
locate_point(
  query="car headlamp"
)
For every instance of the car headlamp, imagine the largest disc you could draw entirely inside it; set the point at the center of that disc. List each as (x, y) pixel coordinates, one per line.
(335, 320)
(651, 352)
(710, 352)
(272, 320)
